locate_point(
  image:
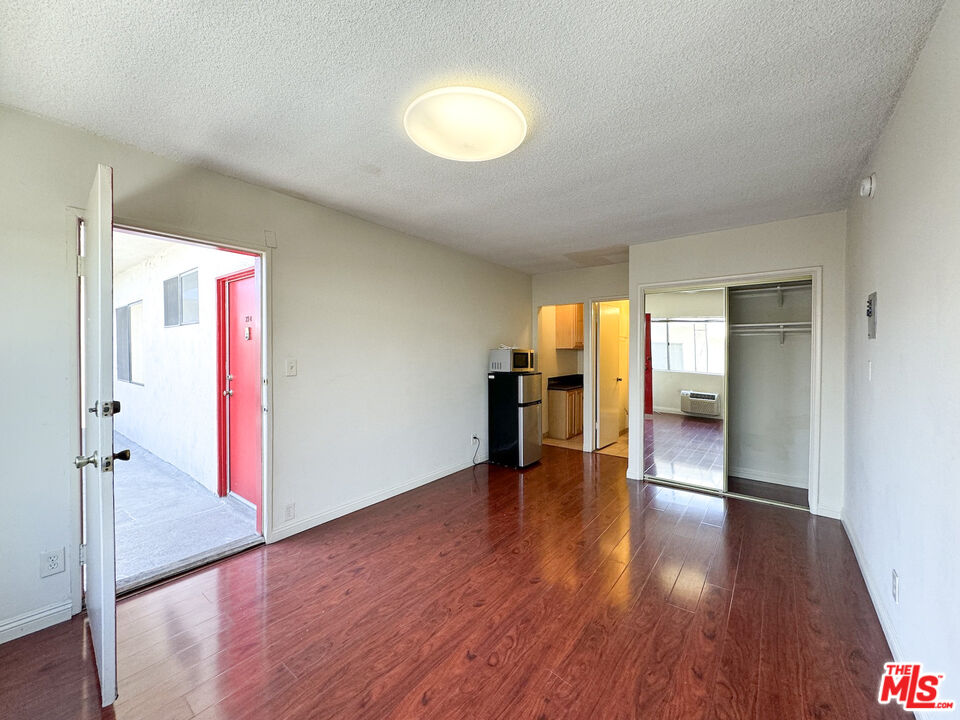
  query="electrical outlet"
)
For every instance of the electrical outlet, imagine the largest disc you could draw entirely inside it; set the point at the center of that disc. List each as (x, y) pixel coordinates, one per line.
(51, 562)
(290, 512)
(895, 587)
(290, 368)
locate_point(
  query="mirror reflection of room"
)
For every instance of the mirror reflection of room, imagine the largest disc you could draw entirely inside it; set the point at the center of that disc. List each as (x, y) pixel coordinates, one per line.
(683, 423)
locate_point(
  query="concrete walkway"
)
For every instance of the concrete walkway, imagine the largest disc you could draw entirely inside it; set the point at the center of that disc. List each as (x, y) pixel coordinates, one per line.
(165, 518)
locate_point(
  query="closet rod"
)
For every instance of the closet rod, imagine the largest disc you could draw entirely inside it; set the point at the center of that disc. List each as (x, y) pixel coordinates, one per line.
(758, 326)
(782, 331)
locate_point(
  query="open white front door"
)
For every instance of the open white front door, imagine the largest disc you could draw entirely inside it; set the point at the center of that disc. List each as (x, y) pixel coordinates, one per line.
(97, 459)
(608, 371)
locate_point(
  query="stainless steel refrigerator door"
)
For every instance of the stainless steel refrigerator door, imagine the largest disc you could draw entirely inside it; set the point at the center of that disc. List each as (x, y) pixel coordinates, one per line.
(528, 388)
(531, 434)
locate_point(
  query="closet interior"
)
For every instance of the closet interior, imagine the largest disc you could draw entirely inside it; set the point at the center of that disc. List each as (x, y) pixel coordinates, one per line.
(768, 391)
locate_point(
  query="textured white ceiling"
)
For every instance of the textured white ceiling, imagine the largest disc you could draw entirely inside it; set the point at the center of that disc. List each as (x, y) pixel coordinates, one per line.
(647, 119)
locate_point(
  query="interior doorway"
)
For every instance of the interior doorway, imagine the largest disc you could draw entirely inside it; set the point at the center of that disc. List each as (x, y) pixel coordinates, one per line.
(187, 374)
(611, 374)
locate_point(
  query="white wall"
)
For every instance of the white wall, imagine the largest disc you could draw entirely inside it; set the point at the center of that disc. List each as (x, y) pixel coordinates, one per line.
(667, 385)
(391, 334)
(702, 303)
(173, 413)
(902, 508)
(817, 240)
(583, 285)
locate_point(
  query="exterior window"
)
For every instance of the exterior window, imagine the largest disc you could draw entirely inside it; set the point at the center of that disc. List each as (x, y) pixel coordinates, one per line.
(691, 345)
(181, 300)
(130, 343)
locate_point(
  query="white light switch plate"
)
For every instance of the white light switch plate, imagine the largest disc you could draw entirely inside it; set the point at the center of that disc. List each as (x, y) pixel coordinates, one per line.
(290, 368)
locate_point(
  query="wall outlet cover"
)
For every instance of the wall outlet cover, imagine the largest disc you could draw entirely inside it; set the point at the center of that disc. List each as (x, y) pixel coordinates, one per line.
(51, 562)
(289, 512)
(290, 368)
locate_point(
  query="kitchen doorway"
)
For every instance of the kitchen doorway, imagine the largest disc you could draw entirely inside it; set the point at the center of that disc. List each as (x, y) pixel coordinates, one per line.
(560, 361)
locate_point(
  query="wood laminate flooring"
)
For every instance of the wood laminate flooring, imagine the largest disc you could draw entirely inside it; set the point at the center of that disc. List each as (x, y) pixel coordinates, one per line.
(768, 491)
(563, 591)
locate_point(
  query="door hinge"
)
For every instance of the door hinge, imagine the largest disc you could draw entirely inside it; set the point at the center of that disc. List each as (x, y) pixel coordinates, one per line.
(81, 266)
(83, 554)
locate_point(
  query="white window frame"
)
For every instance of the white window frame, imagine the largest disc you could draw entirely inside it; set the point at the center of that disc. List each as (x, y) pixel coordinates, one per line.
(179, 279)
(129, 343)
(666, 323)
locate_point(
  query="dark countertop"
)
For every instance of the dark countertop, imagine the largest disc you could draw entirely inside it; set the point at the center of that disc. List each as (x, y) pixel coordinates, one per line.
(565, 382)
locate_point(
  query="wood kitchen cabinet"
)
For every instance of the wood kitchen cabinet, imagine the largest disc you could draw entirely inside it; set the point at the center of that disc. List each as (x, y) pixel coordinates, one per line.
(570, 327)
(565, 411)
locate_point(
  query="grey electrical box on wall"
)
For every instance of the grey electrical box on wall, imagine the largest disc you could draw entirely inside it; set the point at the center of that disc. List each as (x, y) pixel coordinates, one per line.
(872, 315)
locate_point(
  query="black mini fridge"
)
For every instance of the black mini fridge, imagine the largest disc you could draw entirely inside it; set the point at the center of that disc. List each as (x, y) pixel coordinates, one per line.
(514, 427)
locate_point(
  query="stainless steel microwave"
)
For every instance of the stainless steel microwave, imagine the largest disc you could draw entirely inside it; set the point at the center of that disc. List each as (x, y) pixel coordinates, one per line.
(511, 360)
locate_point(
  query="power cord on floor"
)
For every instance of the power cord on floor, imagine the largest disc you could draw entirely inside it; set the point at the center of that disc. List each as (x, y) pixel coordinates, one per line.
(476, 449)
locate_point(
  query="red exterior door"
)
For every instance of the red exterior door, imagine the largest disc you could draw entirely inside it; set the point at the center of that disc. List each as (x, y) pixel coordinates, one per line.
(647, 369)
(242, 383)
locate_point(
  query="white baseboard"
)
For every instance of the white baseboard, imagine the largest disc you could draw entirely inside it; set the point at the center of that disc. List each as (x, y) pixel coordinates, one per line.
(770, 477)
(668, 410)
(35, 620)
(886, 622)
(298, 526)
(830, 512)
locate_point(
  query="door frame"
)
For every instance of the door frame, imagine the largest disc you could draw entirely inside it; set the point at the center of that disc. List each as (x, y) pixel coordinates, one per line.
(815, 273)
(595, 366)
(589, 352)
(73, 215)
(223, 339)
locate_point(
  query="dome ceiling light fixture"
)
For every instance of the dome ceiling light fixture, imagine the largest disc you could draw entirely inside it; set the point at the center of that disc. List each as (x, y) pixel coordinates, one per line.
(465, 123)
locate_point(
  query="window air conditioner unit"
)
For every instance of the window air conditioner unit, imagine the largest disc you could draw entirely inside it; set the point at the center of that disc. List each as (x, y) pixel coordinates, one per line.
(693, 402)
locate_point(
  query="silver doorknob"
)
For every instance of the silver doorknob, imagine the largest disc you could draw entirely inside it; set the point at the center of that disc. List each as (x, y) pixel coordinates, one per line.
(227, 393)
(81, 461)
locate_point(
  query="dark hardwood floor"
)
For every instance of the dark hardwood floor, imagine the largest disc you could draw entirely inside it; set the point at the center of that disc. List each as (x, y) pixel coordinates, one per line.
(561, 592)
(768, 491)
